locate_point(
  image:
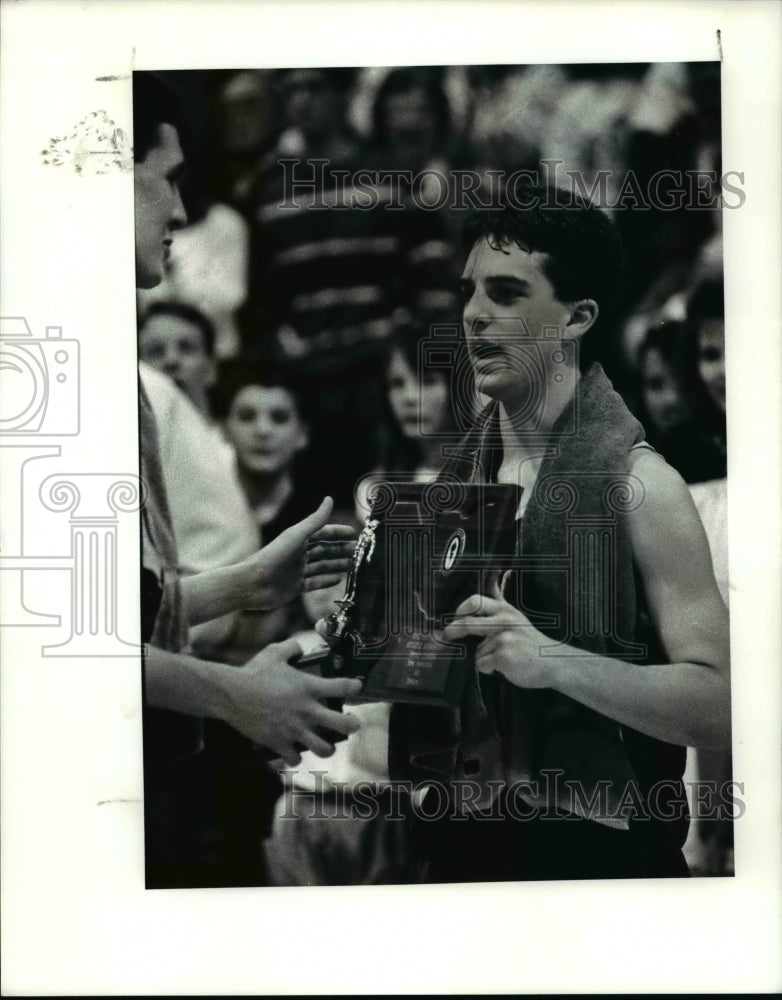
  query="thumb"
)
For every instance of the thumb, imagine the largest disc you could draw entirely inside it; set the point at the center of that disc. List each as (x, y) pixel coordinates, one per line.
(315, 521)
(494, 589)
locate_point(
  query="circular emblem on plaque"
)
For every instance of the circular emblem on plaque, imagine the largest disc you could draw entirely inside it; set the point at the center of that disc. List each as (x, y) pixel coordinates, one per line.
(454, 549)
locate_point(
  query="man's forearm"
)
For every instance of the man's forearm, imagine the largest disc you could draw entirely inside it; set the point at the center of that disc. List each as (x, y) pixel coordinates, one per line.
(183, 683)
(215, 592)
(682, 703)
(268, 700)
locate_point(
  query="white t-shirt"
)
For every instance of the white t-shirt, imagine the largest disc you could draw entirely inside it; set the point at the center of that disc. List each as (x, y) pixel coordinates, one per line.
(212, 522)
(210, 517)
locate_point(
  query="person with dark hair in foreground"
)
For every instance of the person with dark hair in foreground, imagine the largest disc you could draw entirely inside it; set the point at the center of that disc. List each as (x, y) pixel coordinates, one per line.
(602, 652)
(267, 700)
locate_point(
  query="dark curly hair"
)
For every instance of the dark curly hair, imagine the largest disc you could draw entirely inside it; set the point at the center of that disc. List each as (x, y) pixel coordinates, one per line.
(585, 259)
(585, 254)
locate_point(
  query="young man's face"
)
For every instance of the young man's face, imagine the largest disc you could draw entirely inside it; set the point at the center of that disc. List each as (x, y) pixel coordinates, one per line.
(508, 302)
(158, 205)
(175, 346)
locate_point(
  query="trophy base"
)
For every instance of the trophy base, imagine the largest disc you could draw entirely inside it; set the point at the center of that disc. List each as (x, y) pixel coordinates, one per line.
(417, 670)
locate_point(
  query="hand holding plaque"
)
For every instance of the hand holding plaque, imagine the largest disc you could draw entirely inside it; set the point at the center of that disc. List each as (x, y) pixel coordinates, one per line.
(423, 550)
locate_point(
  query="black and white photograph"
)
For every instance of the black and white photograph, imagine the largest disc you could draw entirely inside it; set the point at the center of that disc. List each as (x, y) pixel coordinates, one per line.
(390, 531)
(334, 266)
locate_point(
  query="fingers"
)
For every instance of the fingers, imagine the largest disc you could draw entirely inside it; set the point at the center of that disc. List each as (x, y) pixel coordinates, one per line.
(321, 627)
(485, 657)
(322, 582)
(485, 665)
(289, 756)
(335, 687)
(341, 551)
(335, 533)
(330, 548)
(478, 604)
(288, 650)
(326, 567)
(315, 743)
(471, 626)
(485, 662)
(323, 551)
(340, 722)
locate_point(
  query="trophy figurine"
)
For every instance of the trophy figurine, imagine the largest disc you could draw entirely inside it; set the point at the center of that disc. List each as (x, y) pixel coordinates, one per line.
(338, 621)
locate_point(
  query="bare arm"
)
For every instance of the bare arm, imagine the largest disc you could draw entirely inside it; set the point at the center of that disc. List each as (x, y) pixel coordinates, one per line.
(267, 700)
(307, 556)
(686, 701)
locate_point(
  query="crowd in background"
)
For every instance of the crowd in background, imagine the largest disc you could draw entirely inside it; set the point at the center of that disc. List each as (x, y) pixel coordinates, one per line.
(290, 320)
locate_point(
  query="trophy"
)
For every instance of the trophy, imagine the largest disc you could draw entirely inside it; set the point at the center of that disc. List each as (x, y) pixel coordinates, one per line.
(423, 550)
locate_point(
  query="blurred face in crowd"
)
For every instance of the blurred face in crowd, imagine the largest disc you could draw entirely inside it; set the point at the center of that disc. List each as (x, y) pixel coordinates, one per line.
(508, 301)
(176, 347)
(664, 398)
(711, 358)
(244, 104)
(411, 124)
(420, 407)
(312, 102)
(159, 210)
(265, 428)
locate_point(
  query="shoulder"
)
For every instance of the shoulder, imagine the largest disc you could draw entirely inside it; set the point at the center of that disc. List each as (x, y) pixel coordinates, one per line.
(665, 528)
(658, 487)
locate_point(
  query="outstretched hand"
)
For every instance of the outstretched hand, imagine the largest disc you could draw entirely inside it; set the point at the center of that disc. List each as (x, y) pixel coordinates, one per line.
(280, 707)
(310, 555)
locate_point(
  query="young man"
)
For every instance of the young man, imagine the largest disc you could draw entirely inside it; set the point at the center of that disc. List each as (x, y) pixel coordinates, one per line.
(605, 651)
(268, 700)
